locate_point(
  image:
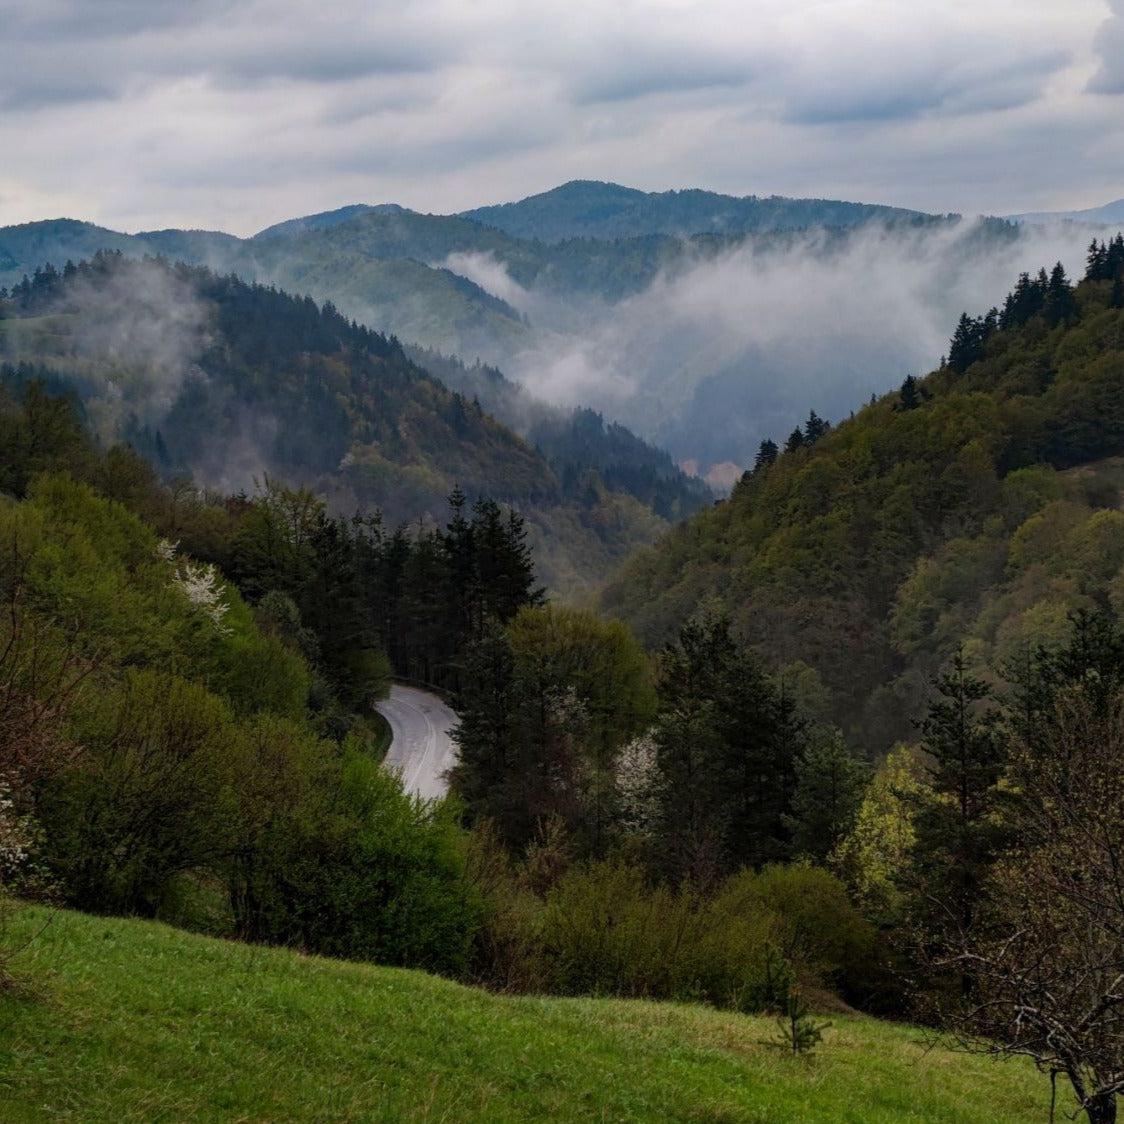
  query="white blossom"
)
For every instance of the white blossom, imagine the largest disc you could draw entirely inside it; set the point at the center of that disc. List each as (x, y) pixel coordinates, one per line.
(638, 783)
(15, 836)
(200, 584)
(166, 550)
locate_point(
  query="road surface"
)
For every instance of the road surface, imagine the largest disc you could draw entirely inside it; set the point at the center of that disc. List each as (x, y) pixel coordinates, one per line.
(420, 749)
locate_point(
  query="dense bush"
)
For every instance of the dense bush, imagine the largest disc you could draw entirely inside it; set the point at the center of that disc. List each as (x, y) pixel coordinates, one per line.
(361, 870)
(604, 929)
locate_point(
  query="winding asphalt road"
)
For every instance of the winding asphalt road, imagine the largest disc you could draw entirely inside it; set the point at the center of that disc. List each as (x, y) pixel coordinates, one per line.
(420, 748)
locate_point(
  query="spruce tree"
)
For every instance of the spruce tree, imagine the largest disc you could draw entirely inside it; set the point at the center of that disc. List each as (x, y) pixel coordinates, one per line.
(766, 454)
(959, 822)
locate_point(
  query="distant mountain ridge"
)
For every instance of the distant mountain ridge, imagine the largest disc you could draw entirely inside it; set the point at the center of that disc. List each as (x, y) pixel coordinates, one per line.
(1108, 213)
(594, 209)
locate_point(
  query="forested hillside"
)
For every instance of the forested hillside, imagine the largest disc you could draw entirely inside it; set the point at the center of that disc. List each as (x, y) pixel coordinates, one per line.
(975, 507)
(188, 682)
(229, 382)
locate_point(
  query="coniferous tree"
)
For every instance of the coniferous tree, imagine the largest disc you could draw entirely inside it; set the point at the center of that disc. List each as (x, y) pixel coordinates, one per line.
(830, 784)
(814, 428)
(959, 826)
(1061, 303)
(909, 397)
(766, 454)
(726, 740)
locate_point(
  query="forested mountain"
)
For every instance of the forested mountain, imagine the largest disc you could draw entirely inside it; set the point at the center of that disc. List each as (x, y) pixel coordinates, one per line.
(592, 209)
(702, 323)
(974, 507)
(230, 382)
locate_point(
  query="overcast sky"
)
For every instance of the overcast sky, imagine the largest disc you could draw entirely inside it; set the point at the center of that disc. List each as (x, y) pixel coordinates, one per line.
(233, 114)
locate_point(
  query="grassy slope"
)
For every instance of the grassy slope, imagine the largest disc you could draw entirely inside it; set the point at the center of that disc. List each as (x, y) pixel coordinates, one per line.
(140, 1022)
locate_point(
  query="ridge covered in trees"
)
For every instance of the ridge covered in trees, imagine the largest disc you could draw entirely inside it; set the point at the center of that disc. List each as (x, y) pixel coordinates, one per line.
(210, 376)
(976, 507)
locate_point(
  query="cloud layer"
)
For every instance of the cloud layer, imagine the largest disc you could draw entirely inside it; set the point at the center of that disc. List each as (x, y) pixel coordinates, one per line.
(721, 354)
(238, 113)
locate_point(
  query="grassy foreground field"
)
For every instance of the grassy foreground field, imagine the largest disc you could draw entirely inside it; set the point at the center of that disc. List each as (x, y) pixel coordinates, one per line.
(128, 1020)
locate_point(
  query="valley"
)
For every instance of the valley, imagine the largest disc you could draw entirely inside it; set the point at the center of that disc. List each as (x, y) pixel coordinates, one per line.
(797, 762)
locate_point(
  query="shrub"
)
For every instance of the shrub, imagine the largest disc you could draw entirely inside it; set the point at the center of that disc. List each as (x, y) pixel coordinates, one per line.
(360, 869)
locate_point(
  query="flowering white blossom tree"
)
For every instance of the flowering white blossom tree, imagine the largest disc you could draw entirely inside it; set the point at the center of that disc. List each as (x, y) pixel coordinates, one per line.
(199, 582)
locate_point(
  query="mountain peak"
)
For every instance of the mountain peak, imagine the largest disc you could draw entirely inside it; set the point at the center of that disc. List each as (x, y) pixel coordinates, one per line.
(324, 219)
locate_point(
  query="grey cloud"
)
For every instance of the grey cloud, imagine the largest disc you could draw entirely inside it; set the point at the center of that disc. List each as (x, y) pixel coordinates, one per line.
(624, 72)
(628, 83)
(62, 52)
(939, 86)
(55, 20)
(45, 91)
(1109, 46)
(333, 62)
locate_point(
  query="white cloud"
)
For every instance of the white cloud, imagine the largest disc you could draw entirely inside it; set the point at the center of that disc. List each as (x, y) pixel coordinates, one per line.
(717, 356)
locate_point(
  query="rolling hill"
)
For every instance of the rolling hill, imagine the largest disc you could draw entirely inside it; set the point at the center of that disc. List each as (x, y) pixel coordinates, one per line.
(135, 1021)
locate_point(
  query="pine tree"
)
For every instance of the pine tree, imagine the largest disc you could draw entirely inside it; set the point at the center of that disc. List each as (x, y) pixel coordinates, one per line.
(727, 740)
(814, 428)
(959, 828)
(766, 455)
(1061, 301)
(795, 441)
(830, 785)
(909, 395)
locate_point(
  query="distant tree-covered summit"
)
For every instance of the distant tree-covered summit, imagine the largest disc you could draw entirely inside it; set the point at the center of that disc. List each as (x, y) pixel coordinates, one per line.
(592, 209)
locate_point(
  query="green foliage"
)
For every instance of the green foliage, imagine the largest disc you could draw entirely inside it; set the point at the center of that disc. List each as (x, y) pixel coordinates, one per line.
(548, 704)
(830, 785)
(603, 928)
(959, 828)
(799, 1032)
(151, 799)
(357, 869)
(876, 850)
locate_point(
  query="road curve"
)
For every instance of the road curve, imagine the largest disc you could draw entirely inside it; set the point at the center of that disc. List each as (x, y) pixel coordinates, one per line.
(421, 749)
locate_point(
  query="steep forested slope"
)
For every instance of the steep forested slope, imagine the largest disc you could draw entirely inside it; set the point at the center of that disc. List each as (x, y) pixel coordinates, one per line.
(976, 506)
(230, 381)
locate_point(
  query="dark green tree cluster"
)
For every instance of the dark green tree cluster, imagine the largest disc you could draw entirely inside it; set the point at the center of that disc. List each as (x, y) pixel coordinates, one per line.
(1050, 296)
(419, 595)
(968, 341)
(1105, 260)
(727, 745)
(547, 706)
